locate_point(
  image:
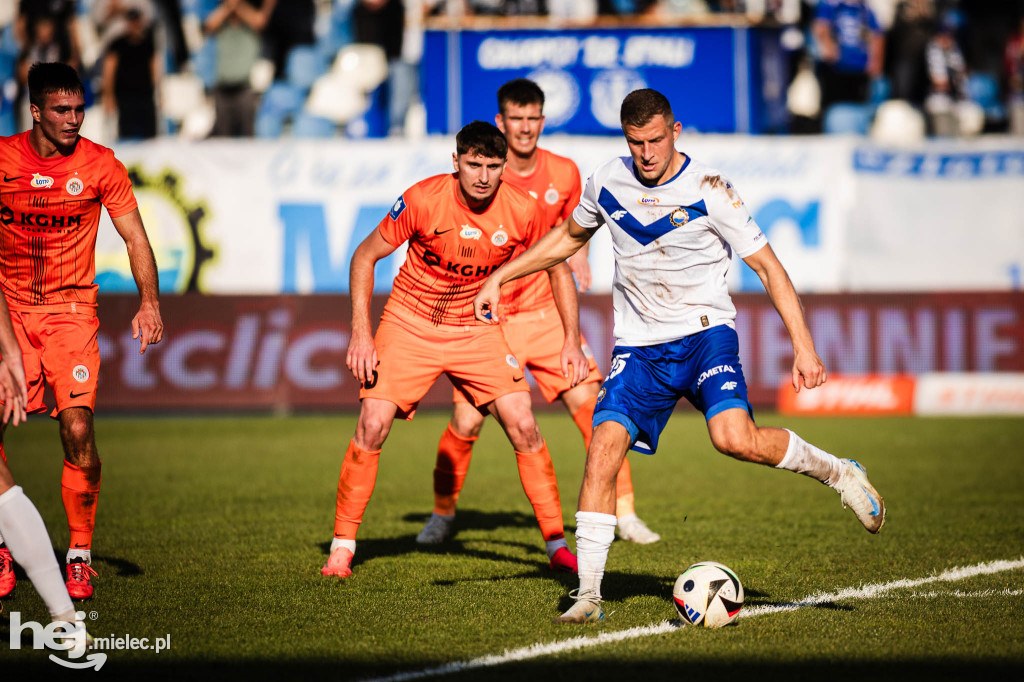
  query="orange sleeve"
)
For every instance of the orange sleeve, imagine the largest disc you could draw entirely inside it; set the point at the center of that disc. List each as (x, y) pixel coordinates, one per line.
(400, 223)
(575, 190)
(116, 188)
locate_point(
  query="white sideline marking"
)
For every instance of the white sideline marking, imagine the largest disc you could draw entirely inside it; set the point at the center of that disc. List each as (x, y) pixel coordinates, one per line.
(581, 642)
(977, 593)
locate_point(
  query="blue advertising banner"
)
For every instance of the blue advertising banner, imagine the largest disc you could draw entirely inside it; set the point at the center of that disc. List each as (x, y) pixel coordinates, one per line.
(715, 77)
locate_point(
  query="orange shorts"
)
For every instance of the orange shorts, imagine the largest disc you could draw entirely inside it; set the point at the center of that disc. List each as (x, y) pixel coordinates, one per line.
(536, 338)
(61, 350)
(412, 354)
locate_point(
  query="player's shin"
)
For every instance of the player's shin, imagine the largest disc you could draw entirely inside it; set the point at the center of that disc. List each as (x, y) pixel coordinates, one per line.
(80, 489)
(355, 486)
(29, 544)
(537, 474)
(806, 459)
(453, 456)
(594, 535)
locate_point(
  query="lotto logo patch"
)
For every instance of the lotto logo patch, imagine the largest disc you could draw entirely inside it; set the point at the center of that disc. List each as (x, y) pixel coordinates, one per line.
(80, 373)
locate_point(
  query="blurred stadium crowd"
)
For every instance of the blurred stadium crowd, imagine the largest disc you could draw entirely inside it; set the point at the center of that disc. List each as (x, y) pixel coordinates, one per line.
(313, 68)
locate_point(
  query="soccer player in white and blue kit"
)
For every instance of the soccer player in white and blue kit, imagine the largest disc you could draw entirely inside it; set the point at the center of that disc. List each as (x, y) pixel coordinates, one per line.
(675, 223)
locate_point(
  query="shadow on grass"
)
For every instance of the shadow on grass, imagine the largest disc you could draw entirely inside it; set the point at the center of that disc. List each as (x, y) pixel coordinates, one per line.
(474, 519)
(122, 567)
(673, 670)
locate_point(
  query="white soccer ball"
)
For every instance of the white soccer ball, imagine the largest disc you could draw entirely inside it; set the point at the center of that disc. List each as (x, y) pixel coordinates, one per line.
(708, 595)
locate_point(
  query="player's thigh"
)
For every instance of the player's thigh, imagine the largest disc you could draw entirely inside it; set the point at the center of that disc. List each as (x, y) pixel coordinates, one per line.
(31, 358)
(409, 360)
(70, 358)
(715, 381)
(481, 365)
(538, 342)
(638, 394)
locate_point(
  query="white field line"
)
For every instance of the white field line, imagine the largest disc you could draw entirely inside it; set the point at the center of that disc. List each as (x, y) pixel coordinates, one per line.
(581, 642)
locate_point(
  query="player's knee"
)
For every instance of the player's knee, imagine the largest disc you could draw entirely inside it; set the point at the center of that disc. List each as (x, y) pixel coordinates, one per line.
(467, 425)
(76, 431)
(372, 431)
(523, 433)
(735, 443)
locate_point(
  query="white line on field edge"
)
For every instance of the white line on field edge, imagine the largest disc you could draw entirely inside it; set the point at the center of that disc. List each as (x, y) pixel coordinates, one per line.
(581, 642)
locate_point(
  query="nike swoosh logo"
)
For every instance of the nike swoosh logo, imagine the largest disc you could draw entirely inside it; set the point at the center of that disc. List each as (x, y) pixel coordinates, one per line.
(438, 233)
(77, 395)
(874, 505)
(16, 177)
(78, 546)
(518, 379)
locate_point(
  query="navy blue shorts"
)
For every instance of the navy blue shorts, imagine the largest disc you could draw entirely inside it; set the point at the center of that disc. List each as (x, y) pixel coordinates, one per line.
(645, 382)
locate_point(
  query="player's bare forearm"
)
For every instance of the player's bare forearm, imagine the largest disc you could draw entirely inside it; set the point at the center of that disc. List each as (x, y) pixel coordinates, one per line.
(575, 366)
(579, 263)
(361, 358)
(806, 363)
(147, 325)
(551, 249)
(13, 388)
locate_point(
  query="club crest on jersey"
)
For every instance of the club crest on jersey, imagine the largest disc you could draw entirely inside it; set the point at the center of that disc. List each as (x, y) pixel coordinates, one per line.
(648, 201)
(75, 186)
(500, 237)
(41, 181)
(470, 232)
(512, 362)
(551, 196)
(679, 217)
(80, 373)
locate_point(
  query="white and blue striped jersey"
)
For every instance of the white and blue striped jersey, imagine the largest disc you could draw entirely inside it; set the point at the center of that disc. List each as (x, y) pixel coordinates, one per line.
(673, 245)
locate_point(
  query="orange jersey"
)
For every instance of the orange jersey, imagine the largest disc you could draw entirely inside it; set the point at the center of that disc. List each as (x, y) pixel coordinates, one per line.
(49, 215)
(452, 248)
(555, 185)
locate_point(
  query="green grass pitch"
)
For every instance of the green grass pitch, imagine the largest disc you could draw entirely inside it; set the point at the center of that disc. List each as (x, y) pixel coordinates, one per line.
(213, 531)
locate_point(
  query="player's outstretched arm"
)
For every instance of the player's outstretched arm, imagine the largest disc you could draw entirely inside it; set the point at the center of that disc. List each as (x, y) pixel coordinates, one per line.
(575, 366)
(554, 247)
(147, 326)
(13, 388)
(806, 363)
(362, 353)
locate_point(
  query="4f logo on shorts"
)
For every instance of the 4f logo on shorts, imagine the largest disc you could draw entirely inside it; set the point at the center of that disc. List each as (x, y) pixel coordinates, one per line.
(618, 364)
(729, 386)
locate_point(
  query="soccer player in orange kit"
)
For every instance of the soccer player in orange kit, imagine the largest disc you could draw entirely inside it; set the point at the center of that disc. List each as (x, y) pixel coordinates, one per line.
(530, 320)
(460, 227)
(54, 185)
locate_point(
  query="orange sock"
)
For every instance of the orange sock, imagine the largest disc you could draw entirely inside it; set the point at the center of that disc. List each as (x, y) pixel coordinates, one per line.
(80, 490)
(584, 418)
(537, 474)
(453, 456)
(355, 486)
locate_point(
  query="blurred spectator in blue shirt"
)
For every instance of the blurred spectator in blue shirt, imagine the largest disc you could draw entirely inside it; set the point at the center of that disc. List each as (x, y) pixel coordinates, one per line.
(850, 48)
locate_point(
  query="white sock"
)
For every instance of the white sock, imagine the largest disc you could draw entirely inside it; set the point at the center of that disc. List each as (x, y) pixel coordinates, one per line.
(594, 535)
(350, 545)
(29, 543)
(84, 554)
(553, 546)
(446, 517)
(806, 459)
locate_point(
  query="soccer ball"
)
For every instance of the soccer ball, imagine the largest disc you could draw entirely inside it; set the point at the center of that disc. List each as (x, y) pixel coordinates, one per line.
(708, 595)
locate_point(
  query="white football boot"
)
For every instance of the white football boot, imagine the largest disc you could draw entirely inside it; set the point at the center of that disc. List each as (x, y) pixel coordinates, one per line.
(632, 529)
(587, 609)
(436, 531)
(858, 494)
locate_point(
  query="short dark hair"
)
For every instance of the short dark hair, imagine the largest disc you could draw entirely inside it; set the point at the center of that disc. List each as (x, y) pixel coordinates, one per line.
(483, 138)
(519, 91)
(640, 106)
(46, 78)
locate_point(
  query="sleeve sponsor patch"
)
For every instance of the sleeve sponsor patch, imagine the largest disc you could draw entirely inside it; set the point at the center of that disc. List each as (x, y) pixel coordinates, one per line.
(397, 209)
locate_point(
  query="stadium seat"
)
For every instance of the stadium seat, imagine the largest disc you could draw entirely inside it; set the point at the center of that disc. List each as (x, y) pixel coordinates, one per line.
(336, 98)
(281, 99)
(269, 125)
(983, 89)
(366, 66)
(307, 125)
(8, 43)
(204, 63)
(304, 65)
(181, 93)
(848, 119)
(898, 123)
(880, 90)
